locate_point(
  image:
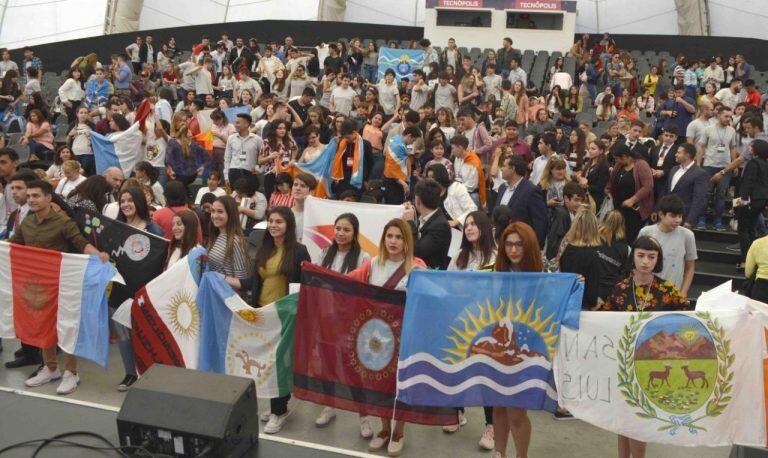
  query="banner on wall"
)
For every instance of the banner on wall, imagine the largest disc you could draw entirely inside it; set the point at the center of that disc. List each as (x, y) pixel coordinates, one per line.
(320, 215)
(402, 61)
(679, 378)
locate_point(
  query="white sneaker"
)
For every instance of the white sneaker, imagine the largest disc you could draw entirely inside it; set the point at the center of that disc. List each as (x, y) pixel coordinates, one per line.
(365, 428)
(264, 416)
(43, 376)
(68, 383)
(276, 423)
(328, 415)
(487, 441)
(497, 454)
(450, 429)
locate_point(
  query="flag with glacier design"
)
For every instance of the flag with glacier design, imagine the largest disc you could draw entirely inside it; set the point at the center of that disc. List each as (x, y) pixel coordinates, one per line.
(479, 339)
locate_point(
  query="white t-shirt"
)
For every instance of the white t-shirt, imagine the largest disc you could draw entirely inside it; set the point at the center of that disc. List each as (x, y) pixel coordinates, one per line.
(65, 186)
(718, 141)
(445, 96)
(338, 260)
(81, 143)
(388, 96)
(218, 192)
(728, 98)
(154, 153)
(380, 274)
(343, 99)
(133, 48)
(678, 247)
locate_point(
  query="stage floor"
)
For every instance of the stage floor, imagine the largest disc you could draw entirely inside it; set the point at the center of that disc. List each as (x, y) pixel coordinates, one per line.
(39, 413)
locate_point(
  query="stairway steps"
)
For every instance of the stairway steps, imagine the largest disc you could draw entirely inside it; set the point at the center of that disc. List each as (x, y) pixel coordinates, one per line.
(709, 274)
(726, 238)
(713, 251)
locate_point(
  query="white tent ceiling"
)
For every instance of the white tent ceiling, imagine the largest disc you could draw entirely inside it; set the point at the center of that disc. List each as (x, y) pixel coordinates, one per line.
(31, 22)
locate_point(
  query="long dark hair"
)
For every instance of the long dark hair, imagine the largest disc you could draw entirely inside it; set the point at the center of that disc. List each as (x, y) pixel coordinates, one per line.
(287, 141)
(189, 239)
(486, 243)
(95, 189)
(139, 201)
(268, 248)
(232, 228)
(350, 259)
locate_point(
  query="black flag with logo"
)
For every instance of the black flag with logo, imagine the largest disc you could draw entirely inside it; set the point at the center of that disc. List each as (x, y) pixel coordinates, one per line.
(138, 255)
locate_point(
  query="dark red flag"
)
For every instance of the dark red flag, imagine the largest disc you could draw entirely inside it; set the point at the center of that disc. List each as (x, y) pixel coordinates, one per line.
(346, 348)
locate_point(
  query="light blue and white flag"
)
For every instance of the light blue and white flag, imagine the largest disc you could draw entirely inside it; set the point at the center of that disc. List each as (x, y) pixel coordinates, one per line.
(121, 149)
(402, 61)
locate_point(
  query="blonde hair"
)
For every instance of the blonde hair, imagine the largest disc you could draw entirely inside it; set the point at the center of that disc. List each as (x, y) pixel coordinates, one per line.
(70, 166)
(468, 83)
(555, 162)
(584, 230)
(449, 117)
(405, 230)
(180, 132)
(612, 227)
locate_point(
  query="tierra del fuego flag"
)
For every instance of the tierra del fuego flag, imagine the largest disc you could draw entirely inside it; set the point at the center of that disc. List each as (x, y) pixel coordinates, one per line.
(356, 179)
(484, 339)
(165, 316)
(49, 297)
(237, 339)
(346, 348)
(680, 378)
(121, 149)
(320, 214)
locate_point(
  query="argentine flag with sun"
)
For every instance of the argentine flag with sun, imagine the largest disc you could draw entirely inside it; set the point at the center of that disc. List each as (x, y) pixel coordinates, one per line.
(480, 339)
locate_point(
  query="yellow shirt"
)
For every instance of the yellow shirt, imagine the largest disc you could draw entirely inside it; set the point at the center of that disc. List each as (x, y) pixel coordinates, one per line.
(274, 284)
(650, 82)
(757, 259)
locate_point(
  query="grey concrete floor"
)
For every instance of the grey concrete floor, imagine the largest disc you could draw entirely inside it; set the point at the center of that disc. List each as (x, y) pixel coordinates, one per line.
(572, 439)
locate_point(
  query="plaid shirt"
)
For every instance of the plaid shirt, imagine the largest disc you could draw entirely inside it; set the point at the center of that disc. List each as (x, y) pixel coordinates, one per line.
(26, 64)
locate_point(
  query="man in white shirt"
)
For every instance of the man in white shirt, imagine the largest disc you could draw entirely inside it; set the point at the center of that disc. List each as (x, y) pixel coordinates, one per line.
(218, 56)
(269, 65)
(547, 148)
(420, 90)
(342, 96)
(730, 96)
(465, 173)
(445, 94)
(714, 73)
(187, 78)
(133, 51)
(492, 83)
(389, 94)
(7, 64)
(202, 75)
(516, 73)
(695, 128)
(227, 42)
(242, 151)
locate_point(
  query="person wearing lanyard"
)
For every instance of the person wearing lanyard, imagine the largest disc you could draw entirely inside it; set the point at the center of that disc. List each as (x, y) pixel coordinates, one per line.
(241, 151)
(716, 150)
(643, 290)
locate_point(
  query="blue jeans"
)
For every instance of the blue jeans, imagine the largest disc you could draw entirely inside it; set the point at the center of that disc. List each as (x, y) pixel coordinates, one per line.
(125, 343)
(377, 169)
(162, 175)
(719, 191)
(42, 152)
(371, 72)
(592, 88)
(690, 91)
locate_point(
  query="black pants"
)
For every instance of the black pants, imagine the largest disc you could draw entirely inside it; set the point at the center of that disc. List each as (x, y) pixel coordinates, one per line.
(186, 179)
(393, 194)
(760, 290)
(747, 216)
(217, 161)
(633, 222)
(269, 185)
(279, 406)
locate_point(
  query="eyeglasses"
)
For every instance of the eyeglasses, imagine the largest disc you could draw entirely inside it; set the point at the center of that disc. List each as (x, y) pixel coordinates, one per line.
(513, 244)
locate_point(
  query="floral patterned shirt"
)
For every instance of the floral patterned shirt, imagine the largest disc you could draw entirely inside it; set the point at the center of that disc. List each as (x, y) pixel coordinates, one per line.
(661, 295)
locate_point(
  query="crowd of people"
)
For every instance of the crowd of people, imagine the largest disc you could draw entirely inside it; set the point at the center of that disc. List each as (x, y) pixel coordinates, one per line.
(462, 145)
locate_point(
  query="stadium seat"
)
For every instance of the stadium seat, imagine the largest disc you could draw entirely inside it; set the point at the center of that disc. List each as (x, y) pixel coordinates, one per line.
(14, 138)
(584, 116)
(22, 151)
(381, 43)
(254, 242)
(464, 51)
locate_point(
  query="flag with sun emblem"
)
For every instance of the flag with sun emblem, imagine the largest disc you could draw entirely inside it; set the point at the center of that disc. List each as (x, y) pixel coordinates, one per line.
(484, 339)
(402, 61)
(165, 317)
(347, 339)
(237, 339)
(680, 378)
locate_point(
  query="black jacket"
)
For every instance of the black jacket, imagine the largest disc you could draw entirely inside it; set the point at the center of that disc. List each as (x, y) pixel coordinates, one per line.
(692, 188)
(432, 241)
(527, 205)
(597, 178)
(254, 283)
(246, 58)
(754, 183)
(667, 165)
(558, 227)
(144, 58)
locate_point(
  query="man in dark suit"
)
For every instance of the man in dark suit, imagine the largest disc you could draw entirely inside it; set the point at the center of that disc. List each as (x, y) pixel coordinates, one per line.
(636, 146)
(240, 55)
(523, 198)
(432, 236)
(690, 183)
(147, 52)
(663, 160)
(573, 197)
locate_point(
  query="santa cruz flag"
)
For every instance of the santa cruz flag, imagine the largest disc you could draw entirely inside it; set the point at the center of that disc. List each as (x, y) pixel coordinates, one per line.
(681, 378)
(49, 297)
(165, 317)
(237, 339)
(484, 339)
(347, 337)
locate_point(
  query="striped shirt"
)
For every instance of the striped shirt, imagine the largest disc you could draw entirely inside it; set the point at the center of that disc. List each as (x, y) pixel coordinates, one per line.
(233, 266)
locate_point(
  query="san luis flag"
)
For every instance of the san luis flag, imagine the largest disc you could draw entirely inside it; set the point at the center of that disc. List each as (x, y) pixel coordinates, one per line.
(346, 342)
(139, 256)
(681, 378)
(237, 339)
(165, 317)
(49, 297)
(320, 215)
(484, 339)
